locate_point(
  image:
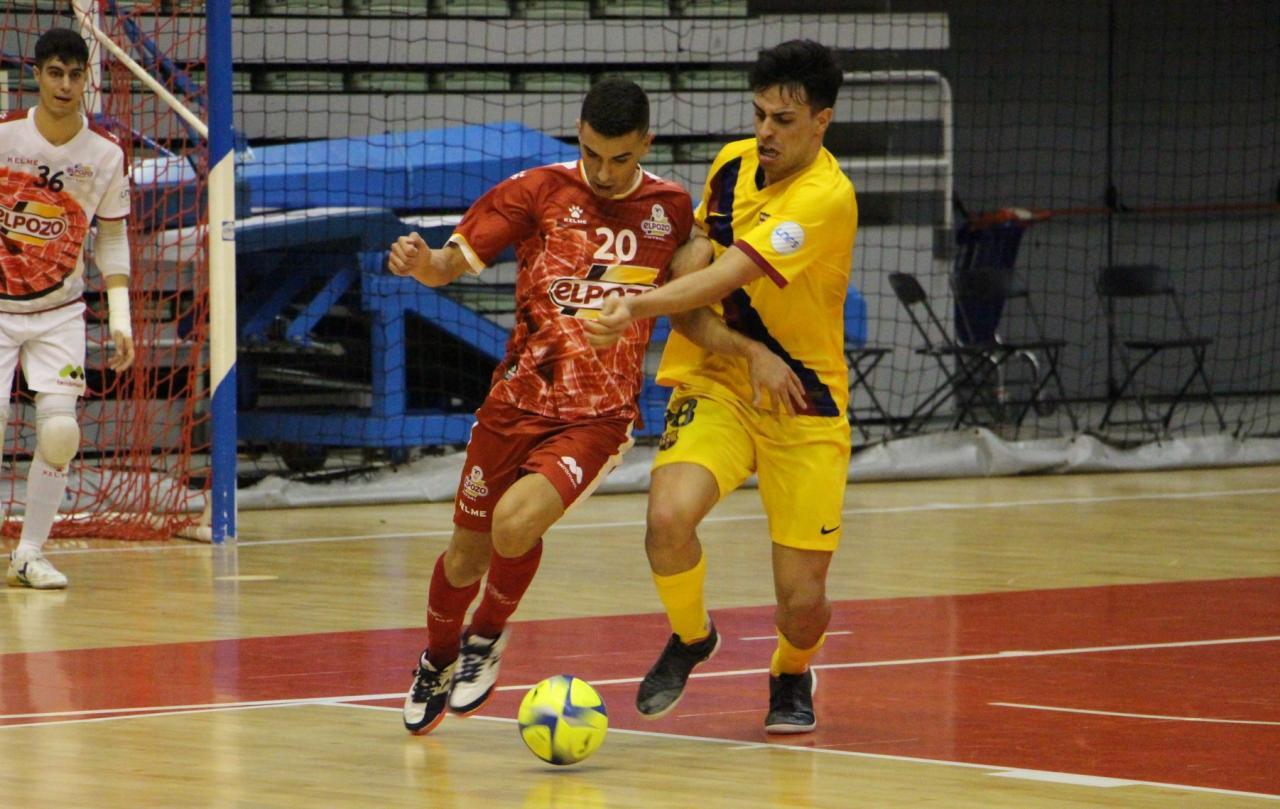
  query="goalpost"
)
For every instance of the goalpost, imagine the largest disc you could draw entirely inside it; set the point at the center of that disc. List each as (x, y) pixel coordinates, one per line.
(159, 450)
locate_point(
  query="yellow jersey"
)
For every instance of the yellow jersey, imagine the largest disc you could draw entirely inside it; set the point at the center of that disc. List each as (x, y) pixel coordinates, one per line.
(800, 232)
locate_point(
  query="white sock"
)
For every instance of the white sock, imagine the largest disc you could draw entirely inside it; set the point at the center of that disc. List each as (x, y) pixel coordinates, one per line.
(45, 487)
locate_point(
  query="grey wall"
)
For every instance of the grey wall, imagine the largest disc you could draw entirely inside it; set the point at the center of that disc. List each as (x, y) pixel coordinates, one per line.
(1196, 102)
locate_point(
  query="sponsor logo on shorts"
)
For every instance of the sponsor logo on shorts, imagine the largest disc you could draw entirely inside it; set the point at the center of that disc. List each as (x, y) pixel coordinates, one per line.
(824, 530)
(657, 226)
(571, 468)
(474, 512)
(73, 372)
(474, 486)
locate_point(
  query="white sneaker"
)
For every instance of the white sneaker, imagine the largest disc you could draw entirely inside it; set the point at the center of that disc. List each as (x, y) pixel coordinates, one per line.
(478, 662)
(34, 571)
(425, 703)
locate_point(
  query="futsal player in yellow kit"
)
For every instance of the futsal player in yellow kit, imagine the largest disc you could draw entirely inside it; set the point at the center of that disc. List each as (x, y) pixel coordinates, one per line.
(778, 218)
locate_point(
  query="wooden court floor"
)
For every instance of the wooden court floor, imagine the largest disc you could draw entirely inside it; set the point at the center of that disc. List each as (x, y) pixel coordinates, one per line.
(1100, 640)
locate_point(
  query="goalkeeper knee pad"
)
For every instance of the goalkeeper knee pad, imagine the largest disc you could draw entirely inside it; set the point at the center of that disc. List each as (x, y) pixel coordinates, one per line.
(57, 431)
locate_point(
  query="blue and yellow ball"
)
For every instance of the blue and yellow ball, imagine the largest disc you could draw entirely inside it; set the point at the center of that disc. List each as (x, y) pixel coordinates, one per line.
(562, 719)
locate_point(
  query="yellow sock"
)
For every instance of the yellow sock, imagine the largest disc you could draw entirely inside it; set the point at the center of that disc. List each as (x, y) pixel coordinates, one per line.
(681, 594)
(787, 659)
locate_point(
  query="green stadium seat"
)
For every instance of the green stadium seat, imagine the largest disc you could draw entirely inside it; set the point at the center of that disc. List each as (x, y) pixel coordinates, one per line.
(553, 9)
(553, 82)
(390, 81)
(471, 81)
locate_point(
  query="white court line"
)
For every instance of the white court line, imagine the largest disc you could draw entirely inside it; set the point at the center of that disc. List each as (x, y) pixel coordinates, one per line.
(916, 661)
(775, 637)
(631, 680)
(1095, 781)
(150, 713)
(922, 507)
(197, 707)
(1161, 717)
(992, 769)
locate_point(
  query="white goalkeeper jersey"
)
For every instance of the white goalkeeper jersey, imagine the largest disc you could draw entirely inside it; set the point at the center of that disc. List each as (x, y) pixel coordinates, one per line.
(49, 195)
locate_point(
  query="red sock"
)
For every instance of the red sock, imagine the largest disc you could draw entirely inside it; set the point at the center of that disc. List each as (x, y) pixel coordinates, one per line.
(446, 610)
(508, 579)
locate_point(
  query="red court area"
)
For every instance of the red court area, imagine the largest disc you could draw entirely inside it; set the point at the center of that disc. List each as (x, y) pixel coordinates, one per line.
(1175, 683)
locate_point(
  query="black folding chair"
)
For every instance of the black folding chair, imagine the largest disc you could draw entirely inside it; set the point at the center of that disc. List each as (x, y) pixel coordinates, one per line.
(863, 359)
(1122, 288)
(1031, 364)
(972, 372)
(862, 362)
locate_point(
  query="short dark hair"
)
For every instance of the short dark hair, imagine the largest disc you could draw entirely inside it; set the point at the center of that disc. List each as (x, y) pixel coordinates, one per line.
(615, 107)
(64, 44)
(800, 64)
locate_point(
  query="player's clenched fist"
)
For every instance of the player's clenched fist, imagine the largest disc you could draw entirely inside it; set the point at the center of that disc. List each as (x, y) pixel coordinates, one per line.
(606, 329)
(409, 255)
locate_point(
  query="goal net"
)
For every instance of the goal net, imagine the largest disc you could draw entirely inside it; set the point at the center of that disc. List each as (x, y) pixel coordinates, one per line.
(988, 145)
(142, 471)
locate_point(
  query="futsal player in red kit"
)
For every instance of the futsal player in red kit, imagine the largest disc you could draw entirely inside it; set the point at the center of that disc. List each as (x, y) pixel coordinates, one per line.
(559, 414)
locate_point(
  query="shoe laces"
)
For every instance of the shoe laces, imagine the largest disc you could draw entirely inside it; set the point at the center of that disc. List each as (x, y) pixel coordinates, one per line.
(428, 683)
(472, 660)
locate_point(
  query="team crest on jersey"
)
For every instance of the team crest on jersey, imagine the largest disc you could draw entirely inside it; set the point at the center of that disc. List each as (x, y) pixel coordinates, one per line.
(657, 226)
(79, 171)
(473, 485)
(583, 297)
(575, 216)
(32, 222)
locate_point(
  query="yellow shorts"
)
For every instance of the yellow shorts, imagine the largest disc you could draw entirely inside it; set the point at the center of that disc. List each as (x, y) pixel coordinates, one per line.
(802, 464)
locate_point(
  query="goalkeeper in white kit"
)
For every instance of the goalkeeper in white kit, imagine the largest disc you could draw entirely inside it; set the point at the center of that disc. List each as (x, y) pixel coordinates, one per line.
(58, 174)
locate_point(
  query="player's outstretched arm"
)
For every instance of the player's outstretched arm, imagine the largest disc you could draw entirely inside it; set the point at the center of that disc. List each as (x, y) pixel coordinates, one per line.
(693, 255)
(769, 373)
(732, 270)
(410, 256)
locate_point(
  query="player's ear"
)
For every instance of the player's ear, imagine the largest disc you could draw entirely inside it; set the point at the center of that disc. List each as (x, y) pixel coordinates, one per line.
(824, 120)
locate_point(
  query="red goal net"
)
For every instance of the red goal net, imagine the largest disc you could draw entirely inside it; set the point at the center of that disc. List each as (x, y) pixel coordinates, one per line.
(142, 470)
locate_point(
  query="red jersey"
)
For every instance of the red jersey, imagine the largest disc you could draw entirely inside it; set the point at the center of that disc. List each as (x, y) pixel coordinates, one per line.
(574, 249)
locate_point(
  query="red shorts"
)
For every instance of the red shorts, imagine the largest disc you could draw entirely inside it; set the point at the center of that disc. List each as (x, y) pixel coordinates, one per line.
(508, 443)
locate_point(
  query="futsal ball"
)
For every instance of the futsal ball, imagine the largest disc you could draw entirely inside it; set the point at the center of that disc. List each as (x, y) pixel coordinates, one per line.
(562, 719)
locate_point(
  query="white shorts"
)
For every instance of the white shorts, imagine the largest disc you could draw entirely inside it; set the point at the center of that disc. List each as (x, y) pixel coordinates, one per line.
(50, 345)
